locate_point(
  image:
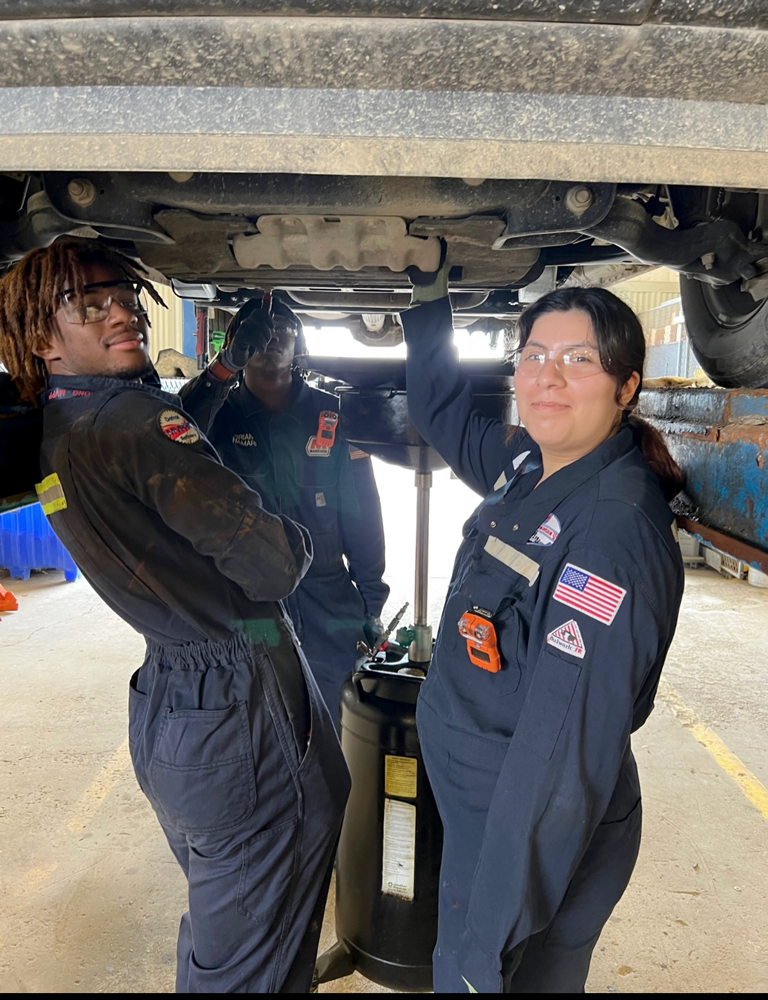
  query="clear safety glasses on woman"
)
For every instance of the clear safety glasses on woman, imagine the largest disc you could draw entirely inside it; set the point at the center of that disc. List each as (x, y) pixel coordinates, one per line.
(96, 300)
(572, 362)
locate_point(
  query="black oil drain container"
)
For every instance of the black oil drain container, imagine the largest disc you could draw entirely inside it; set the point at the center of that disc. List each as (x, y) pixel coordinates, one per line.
(388, 863)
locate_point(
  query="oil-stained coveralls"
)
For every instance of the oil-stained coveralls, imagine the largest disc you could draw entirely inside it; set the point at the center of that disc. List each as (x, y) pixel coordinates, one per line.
(328, 488)
(220, 711)
(531, 766)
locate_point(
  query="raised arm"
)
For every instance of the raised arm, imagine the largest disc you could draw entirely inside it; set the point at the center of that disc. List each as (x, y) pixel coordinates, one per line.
(440, 400)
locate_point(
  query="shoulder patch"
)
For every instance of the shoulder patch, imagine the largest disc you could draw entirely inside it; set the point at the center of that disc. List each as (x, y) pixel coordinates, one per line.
(50, 494)
(177, 428)
(357, 452)
(588, 593)
(568, 638)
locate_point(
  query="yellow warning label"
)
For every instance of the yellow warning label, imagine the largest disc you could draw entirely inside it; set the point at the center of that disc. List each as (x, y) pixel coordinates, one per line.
(400, 776)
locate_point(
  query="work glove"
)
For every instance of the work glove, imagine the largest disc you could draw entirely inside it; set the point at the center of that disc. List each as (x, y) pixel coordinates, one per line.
(372, 629)
(249, 333)
(428, 286)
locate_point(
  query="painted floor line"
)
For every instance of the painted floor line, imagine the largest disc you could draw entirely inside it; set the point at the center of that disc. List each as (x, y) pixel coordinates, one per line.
(90, 801)
(82, 813)
(751, 786)
(33, 879)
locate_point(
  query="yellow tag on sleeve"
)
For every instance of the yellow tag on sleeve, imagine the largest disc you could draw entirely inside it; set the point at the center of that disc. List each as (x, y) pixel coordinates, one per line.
(50, 493)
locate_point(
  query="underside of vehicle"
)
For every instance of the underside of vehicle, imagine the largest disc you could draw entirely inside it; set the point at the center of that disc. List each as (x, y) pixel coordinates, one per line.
(324, 146)
(339, 246)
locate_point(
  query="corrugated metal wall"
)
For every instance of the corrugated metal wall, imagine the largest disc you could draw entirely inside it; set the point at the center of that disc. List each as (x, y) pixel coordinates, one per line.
(649, 290)
(644, 300)
(166, 323)
(655, 297)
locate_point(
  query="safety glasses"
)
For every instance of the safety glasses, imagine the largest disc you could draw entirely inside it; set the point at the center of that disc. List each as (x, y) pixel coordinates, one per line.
(571, 362)
(96, 300)
(281, 326)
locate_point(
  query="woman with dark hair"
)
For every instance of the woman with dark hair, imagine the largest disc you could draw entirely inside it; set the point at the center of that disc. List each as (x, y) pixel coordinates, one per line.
(561, 610)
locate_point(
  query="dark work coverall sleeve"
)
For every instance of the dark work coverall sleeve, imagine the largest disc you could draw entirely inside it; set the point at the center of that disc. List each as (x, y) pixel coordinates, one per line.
(561, 769)
(440, 400)
(200, 499)
(362, 531)
(203, 397)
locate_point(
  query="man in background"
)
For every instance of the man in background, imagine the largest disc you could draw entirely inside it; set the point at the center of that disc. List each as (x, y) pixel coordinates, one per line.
(282, 437)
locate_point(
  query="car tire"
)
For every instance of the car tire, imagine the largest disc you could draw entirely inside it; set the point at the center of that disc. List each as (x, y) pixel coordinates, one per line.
(728, 331)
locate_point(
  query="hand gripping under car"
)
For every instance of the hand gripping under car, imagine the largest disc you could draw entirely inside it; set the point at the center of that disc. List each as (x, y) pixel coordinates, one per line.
(249, 333)
(430, 286)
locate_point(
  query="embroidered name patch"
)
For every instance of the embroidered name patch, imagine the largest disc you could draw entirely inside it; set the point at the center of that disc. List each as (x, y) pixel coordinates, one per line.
(244, 440)
(547, 532)
(177, 428)
(568, 638)
(594, 596)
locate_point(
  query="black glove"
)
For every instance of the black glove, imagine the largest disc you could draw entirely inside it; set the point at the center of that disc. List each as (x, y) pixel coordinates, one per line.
(249, 333)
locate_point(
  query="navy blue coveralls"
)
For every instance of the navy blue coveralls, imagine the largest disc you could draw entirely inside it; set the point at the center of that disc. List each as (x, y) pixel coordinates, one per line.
(220, 711)
(531, 766)
(330, 490)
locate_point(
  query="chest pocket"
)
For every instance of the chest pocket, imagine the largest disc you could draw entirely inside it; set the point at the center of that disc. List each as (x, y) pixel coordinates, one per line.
(503, 584)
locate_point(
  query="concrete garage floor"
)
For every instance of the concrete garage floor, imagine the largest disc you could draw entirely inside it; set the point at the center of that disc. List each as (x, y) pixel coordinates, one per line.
(91, 895)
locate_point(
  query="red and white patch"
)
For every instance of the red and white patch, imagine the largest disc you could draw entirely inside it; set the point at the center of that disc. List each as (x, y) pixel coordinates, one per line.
(177, 428)
(316, 448)
(547, 532)
(357, 453)
(588, 593)
(568, 638)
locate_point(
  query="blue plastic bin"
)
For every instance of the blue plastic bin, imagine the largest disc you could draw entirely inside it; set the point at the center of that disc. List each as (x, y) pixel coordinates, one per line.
(27, 542)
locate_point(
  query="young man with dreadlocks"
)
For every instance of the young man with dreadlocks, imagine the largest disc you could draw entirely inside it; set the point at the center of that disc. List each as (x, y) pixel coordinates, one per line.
(183, 550)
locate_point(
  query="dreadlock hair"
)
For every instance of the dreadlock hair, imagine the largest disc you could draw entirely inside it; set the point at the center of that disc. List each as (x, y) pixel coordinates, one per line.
(30, 296)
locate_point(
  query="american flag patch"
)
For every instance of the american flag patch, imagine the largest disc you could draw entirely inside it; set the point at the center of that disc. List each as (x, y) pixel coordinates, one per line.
(580, 589)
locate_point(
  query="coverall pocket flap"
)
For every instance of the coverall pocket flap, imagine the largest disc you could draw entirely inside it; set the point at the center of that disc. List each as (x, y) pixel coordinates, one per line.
(495, 589)
(546, 705)
(269, 859)
(203, 772)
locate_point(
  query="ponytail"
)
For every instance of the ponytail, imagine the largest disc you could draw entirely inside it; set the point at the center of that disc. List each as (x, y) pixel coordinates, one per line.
(656, 454)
